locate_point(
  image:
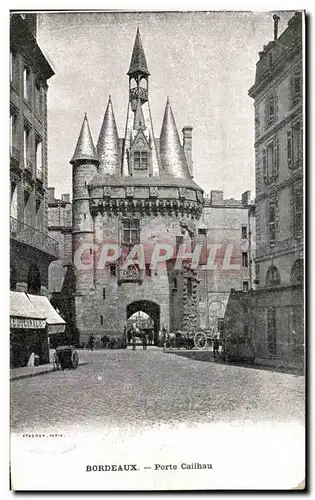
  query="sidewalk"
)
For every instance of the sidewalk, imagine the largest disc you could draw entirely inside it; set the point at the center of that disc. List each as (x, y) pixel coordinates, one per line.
(33, 371)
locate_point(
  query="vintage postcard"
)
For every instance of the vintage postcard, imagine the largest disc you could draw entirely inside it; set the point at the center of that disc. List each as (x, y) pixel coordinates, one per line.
(157, 250)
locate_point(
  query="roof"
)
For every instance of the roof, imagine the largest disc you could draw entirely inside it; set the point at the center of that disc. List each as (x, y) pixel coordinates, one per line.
(173, 159)
(85, 149)
(108, 148)
(138, 61)
(22, 307)
(42, 304)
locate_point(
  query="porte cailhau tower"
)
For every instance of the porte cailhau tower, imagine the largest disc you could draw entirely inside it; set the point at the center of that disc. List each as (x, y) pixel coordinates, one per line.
(126, 191)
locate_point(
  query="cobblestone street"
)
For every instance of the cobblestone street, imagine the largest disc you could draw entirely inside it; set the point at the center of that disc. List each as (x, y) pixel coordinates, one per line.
(126, 387)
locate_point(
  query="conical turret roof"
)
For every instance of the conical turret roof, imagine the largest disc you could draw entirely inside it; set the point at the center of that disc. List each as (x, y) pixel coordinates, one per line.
(173, 159)
(138, 61)
(108, 143)
(85, 149)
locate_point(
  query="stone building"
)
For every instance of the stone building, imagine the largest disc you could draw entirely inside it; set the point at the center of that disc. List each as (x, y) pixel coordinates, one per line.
(31, 248)
(278, 303)
(135, 192)
(227, 227)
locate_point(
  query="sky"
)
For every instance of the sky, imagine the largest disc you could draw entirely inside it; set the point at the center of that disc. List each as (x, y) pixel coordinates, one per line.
(204, 61)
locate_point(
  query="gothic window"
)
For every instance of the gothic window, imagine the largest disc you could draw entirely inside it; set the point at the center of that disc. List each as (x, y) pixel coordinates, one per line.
(244, 232)
(271, 330)
(175, 284)
(273, 276)
(131, 231)
(298, 211)
(245, 286)
(140, 160)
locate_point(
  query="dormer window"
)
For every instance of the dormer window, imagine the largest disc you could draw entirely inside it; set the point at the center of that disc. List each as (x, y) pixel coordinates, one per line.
(141, 160)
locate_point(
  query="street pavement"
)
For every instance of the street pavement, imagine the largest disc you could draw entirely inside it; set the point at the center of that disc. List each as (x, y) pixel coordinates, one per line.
(125, 387)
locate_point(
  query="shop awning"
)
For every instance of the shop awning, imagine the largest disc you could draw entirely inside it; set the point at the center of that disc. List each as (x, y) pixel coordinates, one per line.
(55, 323)
(23, 314)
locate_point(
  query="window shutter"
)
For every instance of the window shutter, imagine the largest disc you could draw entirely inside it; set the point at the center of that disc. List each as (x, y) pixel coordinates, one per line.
(291, 91)
(289, 148)
(265, 171)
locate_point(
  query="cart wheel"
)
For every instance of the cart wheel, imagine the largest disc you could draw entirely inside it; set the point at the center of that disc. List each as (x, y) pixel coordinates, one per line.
(56, 363)
(200, 340)
(75, 359)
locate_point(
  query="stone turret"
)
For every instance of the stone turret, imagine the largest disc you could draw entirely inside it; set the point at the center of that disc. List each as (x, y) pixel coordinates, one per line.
(84, 166)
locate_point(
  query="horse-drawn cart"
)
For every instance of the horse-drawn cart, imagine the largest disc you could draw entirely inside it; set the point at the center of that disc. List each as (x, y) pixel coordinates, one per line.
(65, 356)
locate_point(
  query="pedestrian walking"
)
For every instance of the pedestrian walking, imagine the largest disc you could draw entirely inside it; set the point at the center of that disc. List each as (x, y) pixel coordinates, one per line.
(133, 341)
(91, 342)
(215, 346)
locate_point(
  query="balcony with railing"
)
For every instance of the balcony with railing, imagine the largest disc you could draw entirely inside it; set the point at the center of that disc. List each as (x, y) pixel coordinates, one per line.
(31, 236)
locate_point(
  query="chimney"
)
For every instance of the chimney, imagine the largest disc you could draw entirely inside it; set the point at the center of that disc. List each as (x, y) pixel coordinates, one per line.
(50, 194)
(65, 197)
(216, 197)
(276, 20)
(246, 198)
(187, 144)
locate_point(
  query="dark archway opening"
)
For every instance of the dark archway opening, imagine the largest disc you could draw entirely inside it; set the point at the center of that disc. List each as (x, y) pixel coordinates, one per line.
(33, 280)
(151, 309)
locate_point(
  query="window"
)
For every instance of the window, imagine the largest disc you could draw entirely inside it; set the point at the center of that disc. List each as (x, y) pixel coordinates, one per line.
(131, 231)
(189, 286)
(38, 204)
(257, 274)
(27, 147)
(296, 87)
(271, 324)
(270, 60)
(38, 99)
(13, 129)
(289, 148)
(112, 269)
(297, 272)
(104, 293)
(39, 157)
(272, 222)
(147, 270)
(11, 65)
(297, 142)
(85, 184)
(175, 284)
(141, 160)
(101, 320)
(270, 109)
(273, 276)
(245, 260)
(245, 286)
(298, 212)
(202, 231)
(27, 89)
(244, 232)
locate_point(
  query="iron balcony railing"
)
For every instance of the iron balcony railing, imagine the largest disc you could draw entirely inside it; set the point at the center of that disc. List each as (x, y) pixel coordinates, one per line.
(29, 235)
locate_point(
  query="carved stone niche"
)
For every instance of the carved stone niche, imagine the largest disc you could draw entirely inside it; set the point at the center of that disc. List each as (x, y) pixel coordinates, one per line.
(154, 192)
(107, 191)
(130, 190)
(182, 192)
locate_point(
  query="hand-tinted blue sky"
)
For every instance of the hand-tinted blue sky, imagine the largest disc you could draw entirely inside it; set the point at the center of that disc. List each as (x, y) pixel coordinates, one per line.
(204, 61)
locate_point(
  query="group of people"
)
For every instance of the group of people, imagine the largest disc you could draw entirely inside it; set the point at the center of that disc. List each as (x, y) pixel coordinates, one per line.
(146, 336)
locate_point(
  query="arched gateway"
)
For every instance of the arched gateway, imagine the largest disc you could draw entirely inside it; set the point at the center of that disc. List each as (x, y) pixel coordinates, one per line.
(150, 308)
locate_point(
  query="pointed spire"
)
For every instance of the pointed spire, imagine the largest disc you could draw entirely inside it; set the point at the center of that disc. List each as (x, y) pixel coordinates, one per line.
(108, 143)
(138, 61)
(173, 159)
(139, 121)
(85, 149)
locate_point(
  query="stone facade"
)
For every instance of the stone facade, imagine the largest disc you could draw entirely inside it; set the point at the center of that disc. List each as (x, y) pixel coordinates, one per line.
(278, 102)
(31, 248)
(227, 228)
